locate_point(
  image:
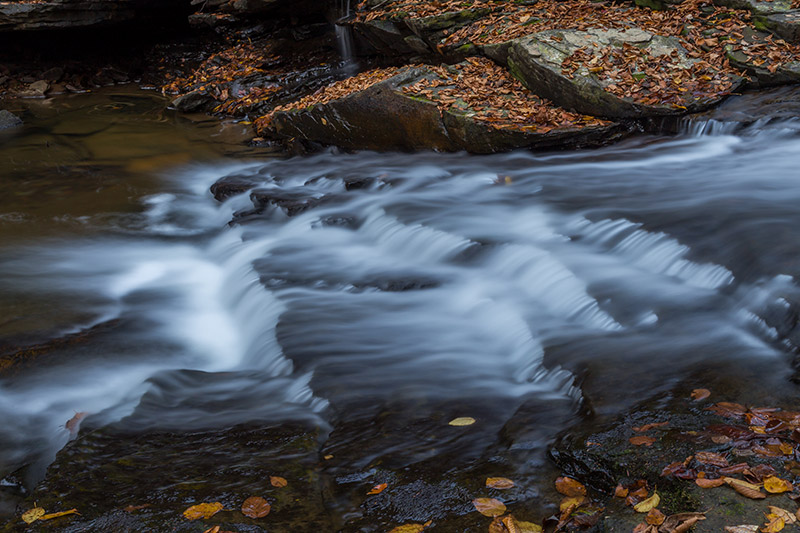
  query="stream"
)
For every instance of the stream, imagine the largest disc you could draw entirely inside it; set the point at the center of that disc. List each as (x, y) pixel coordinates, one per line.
(409, 289)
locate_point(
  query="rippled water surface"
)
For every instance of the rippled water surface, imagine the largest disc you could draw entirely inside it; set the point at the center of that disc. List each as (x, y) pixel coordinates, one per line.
(417, 288)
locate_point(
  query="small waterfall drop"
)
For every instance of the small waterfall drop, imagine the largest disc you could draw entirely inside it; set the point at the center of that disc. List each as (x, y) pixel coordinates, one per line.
(344, 35)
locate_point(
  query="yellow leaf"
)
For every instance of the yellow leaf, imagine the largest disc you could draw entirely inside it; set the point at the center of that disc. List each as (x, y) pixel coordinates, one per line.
(645, 506)
(655, 517)
(462, 421)
(528, 527)
(776, 485)
(489, 506)
(32, 515)
(499, 483)
(256, 507)
(59, 514)
(788, 517)
(277, 481)
(408, 528)
(774, 524)
(570, 503)
(202, 510)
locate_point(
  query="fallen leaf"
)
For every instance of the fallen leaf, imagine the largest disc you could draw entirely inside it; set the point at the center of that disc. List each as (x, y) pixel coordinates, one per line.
(709, 458)
(328, 457)
(645, 528)
(202, 510)
(277, 481)
(776, 485)
(655, 517)
(570, 502)
(59, 514)
(490, 507)
(700, 394)
(640, 440)
(74, 423)
(255, 507)
(745, 528)
(745, 489)
(788, 517)
(131, 508)
(32, 515)
(462, 421)
(620, 492)
(645, 506)
(214, 529)
(570, 487)
(499, 483)
(704, 483)
(528, 527)
(408, 528)
(377, 489)
(681, 522)
(774, 524)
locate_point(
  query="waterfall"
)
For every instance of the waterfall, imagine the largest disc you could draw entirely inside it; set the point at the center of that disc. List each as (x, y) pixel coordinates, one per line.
(344, 33)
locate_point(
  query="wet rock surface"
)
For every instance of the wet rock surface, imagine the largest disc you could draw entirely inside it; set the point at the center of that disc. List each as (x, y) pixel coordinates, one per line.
(9, 120)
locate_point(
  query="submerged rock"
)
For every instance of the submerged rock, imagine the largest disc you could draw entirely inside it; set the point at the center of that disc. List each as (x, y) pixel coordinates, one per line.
(9, 120)
(586, 71)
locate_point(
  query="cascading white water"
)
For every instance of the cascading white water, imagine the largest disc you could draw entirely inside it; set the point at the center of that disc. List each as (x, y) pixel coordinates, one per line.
(344, 33)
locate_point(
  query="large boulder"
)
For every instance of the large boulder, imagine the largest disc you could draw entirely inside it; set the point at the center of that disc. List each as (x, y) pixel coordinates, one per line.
(62, 14)
(474, 106)
(617, 73)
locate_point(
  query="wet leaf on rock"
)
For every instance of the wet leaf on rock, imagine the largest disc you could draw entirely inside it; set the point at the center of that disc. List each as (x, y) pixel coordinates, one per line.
(570, 487)
(705, 483)
(528, 527)
(788, 517)
(59, 514)
(745, 489)
(713, 459)
(648, 427)
(620, 492)
(490, 507)
(32, 515)
(645, 506)
(202, 510)
(655, 517)
(499, 483)
(570, 502)
(640, 440)
(776, 485)
(377, 489)
(277, 481)
(256, 507)
(744, 528)
(587, 515)
(774, 524)
(700, 394)
(462, 421)
(408, 528)
(681, 522)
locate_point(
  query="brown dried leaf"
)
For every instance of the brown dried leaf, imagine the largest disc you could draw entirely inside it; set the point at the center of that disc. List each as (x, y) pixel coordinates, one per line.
(640, 440)
(202, 510)
(745, 489)
(648, 427)
(655, 517)
(277, 481)
(710, 458)
(570, 487)
(745, 528)
(704, 483)
(256, 507)
(700, 394)
(681, 522)
(620, 492)
(788, 517)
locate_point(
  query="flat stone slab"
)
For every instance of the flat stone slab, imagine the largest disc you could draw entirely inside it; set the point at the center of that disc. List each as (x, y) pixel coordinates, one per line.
(617, 73)
(785, 24)
(9, 120)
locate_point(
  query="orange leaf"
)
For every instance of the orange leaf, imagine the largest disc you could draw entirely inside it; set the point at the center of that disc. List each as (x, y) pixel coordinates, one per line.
(202, 510)
(377, 489)
(710, 458)
(648, 427)
(640, 440)
(60, 514)
(277, 481)
(489, 506)
(655, 517)
(255, 507)
(700, 394)
(708, 483)
(620, 492)
(570, 487)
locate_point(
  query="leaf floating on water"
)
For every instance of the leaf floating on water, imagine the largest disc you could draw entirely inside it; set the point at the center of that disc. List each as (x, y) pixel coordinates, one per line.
(700, 394)
(32, 515)
(744, 528)
(570, 487)
(704, 483)
(499, 483)
(776, 485)
(202, 510)
(59, 514)
(377, 489)
(645, 506)
(256, 507)
(277, 481)
(462, 421)
(640, 440)
(408, 528)
(490, 507)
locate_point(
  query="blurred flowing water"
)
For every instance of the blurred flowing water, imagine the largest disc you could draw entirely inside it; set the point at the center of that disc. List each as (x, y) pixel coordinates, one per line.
(432, 285)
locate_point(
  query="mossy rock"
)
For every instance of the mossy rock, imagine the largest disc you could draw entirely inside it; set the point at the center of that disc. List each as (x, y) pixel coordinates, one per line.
(536, 60)
(785, 25)
(788, 73)
(760, 7)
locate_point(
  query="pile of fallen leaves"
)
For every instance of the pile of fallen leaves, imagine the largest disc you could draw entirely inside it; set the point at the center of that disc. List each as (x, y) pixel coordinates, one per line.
(630, 72)
(417, 9)
(487, 92)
